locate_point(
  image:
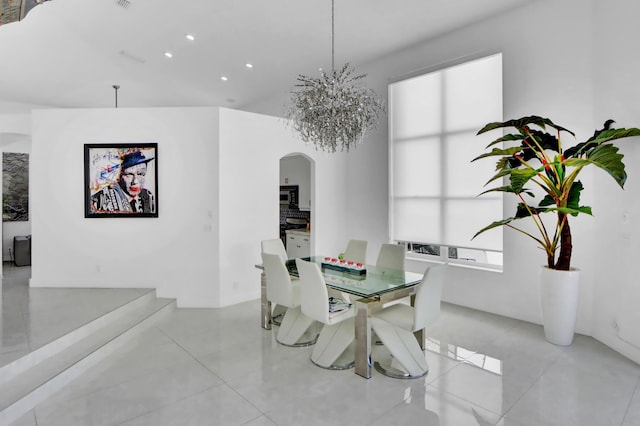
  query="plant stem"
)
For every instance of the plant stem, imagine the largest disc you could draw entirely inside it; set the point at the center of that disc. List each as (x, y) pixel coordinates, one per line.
(564, 259)
(539, 224)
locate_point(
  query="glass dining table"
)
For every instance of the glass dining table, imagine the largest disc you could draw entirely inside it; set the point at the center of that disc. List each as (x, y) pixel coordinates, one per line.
(370, 290)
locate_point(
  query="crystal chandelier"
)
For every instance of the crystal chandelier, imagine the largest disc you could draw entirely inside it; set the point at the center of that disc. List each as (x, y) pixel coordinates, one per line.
(334, 110)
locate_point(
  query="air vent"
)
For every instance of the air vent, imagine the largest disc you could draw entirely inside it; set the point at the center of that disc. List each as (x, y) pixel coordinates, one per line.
(123, 3)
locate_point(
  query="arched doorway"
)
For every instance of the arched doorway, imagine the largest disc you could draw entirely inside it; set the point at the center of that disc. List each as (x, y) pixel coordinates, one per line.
(296, 204)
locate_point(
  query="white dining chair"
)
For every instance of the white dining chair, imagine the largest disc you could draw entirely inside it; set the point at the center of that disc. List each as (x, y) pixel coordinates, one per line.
(356, 250)
(391, 256)
(285, 291)
(334, 349)
(275, 246)
(396, 324)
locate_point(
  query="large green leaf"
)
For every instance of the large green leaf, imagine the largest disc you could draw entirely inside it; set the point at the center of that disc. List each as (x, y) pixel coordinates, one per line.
(494, 225)
(573, 199)
(525, 211)
(545, 140)
(502, 171)
(548, 200)
(498, 152)
(507, 138)
(612, 134)
(575, 211)
(572, 202)
(567, 210)
(605, 157)
(503, 164)
(507, 222)
(520, 177)
(600, 137)
(524, 121)
(507, 189)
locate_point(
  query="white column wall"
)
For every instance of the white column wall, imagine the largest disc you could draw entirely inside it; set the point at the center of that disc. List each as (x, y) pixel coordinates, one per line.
(218, 194)
(617, 212)
(251, 146)
(176, 252)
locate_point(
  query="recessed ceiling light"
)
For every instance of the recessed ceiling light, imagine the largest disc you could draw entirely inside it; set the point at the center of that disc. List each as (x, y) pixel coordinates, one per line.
(224, 78)
(168, 54)
(190, 37)
(248, 65)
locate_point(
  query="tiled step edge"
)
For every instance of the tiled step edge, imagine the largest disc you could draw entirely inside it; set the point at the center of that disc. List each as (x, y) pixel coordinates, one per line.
(39, 392)
(30, 360)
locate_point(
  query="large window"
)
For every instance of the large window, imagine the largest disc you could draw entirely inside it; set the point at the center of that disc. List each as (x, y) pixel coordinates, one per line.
(434, 187)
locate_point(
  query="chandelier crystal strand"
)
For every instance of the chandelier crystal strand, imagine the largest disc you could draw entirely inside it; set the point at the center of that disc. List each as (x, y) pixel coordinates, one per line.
(334, 110)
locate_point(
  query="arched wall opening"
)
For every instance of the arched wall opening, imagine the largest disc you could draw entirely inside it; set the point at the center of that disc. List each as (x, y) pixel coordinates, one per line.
(297, 183)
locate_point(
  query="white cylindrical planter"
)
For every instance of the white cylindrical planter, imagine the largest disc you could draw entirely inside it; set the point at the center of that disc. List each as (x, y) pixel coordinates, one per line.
(559, 293)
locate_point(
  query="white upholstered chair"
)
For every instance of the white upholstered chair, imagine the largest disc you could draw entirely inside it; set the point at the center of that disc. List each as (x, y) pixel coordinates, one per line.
(334, 349)
(285, 291)
(391, 256)
(396, 324)
(275, 246)
(356, 250)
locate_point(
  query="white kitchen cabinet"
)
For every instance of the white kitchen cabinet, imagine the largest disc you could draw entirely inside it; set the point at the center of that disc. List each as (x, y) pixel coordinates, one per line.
(298, 243)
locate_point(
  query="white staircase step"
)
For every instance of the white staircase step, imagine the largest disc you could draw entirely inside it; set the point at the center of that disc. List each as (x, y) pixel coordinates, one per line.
(27, 381)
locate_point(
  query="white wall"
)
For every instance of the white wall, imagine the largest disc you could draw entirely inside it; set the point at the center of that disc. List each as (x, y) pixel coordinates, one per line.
(218, 187)
(251, 147)
(14, 123)
(20, 143)
(617, 212)
(176, 252)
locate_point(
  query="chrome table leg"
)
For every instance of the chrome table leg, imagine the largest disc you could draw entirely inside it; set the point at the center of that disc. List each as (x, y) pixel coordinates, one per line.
(264, 303)
(363, 339)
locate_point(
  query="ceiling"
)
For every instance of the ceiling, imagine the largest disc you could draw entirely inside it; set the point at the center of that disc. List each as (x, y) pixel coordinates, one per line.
(70, 53)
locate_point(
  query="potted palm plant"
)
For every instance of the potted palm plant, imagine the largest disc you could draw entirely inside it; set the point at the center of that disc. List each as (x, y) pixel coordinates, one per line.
(537, 158)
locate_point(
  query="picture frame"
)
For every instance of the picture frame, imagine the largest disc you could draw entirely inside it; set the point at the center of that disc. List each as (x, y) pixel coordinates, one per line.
(15, 187)
(121, 180)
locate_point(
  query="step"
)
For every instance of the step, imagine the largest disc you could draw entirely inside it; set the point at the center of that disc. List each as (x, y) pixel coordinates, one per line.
(27, 381)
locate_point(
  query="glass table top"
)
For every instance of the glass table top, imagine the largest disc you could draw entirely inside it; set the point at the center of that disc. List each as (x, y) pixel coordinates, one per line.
(376, 281)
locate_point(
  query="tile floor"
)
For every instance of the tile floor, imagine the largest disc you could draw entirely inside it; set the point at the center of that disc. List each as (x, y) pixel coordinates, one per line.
(218, 367)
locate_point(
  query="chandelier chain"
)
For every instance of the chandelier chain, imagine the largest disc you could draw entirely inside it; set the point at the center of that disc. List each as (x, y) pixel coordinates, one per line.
(333, 36)
(334, 111)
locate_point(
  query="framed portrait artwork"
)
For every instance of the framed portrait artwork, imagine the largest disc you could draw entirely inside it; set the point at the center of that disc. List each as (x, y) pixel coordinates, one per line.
(121, 180)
